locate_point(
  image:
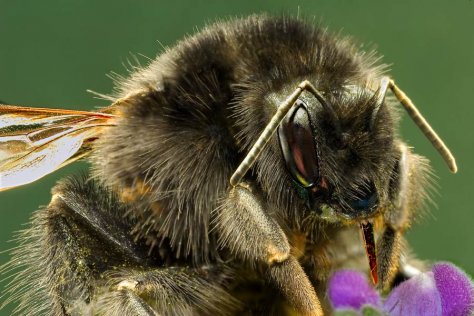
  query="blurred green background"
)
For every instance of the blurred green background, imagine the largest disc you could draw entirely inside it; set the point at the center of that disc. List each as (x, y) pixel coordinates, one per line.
(52, 51)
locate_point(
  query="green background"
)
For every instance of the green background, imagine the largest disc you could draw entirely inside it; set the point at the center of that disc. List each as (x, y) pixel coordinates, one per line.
(52, 51)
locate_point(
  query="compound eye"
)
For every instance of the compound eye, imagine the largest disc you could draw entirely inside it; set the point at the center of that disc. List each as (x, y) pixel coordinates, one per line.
(299, 147)
(365, 199)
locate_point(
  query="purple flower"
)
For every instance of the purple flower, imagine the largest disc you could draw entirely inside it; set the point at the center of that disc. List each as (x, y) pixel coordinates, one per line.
(455, 289)
(444, 291)
(417, 296)
(350, 289)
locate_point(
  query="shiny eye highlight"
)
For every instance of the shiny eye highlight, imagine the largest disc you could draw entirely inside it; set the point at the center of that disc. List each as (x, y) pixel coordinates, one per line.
(298, 146)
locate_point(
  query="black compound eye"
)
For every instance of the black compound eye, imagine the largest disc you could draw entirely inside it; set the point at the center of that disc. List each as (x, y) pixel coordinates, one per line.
(365, 199)
(298, 146)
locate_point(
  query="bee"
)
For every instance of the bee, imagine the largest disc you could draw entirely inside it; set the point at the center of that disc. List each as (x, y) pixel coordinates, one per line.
(231, 175)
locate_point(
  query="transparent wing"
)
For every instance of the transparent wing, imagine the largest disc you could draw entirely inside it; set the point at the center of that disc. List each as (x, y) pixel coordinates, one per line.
(35, 141)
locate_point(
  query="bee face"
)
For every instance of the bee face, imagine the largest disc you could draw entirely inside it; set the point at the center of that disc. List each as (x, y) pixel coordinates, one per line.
(339, 156)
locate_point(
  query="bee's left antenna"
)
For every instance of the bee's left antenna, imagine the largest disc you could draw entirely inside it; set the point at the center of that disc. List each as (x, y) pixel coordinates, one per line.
(424, 126)
(267, 133)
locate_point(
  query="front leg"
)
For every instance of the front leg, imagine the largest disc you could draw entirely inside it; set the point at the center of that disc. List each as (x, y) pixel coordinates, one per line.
(174, 290)
(246, 229)
(80, 258)
(408, 186)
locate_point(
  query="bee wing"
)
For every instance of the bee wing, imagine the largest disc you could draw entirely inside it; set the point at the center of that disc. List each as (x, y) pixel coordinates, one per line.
(35, 141)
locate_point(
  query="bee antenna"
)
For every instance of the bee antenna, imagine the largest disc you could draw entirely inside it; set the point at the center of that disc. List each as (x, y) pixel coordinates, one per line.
(272, 126)
(424, 126)
(380, 98)
(267, 133)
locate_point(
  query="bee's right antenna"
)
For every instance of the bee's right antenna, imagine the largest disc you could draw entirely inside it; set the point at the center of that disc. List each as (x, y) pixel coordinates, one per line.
(424, 126)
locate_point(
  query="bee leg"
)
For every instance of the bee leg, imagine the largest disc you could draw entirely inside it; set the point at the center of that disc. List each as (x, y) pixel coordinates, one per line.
(245, 228)
(123, 302)
(293, 282)
(79, 258)
(407, 195)
(167, 291)
(388, 254)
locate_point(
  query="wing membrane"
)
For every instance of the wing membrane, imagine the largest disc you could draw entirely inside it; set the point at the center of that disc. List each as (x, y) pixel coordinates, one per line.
(36, 141)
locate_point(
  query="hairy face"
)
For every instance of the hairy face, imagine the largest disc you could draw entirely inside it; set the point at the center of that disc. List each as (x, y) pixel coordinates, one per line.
(335, 152)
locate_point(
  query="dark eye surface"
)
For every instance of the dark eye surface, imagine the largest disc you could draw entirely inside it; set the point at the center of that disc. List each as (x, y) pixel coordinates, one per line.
(299, 147)
(365, 199)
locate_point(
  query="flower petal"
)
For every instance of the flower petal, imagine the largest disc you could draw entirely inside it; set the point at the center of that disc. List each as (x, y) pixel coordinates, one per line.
(416, 296)
(350, 289)
(455, 288)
